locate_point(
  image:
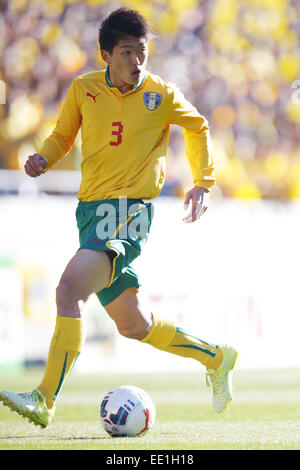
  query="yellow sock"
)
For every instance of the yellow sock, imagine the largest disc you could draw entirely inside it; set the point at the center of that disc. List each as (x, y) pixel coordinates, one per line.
(166, 336)
(65, 346)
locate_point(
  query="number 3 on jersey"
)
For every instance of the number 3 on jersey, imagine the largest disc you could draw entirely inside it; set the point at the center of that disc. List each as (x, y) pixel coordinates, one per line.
(117, 133)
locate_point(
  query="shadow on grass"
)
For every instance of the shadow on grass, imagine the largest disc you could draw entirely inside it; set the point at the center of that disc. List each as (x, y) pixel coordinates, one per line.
(80, 438)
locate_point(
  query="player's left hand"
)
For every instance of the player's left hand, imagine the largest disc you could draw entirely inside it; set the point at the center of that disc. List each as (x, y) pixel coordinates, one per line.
(198, 199)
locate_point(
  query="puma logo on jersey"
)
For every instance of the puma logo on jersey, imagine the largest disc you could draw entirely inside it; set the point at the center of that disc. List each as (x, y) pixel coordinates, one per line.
(92, 96)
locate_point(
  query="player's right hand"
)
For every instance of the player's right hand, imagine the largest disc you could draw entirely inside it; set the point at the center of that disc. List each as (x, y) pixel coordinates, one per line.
(35, 165)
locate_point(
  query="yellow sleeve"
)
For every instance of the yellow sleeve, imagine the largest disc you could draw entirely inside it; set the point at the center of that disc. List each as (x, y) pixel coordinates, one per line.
(197, 138)
(62, 138)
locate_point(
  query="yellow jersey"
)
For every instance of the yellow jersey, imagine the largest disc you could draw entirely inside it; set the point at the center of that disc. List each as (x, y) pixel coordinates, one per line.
(125, 136)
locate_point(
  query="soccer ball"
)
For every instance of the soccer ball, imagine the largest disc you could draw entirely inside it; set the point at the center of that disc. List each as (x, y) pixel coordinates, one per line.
(127, 411)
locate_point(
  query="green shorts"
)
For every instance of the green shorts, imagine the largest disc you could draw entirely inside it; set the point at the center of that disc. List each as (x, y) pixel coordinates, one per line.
(120, 227)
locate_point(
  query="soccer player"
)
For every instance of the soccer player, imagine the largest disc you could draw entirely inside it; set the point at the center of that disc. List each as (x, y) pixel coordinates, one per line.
(124, 113)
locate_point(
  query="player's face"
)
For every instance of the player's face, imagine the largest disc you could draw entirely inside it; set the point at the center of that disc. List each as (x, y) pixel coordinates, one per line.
(127, 62)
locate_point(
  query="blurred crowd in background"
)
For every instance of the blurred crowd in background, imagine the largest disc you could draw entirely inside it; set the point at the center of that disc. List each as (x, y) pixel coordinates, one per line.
(237, 61)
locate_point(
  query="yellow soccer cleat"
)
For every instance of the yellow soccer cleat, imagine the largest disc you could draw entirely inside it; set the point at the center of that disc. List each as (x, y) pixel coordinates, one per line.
(221, 379)
(30, 405)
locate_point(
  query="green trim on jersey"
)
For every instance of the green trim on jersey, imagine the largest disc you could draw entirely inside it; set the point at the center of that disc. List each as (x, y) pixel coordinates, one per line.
(110, 85)
(107, 78)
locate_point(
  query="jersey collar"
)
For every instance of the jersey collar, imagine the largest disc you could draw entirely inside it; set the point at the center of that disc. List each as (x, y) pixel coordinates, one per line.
(110, 85)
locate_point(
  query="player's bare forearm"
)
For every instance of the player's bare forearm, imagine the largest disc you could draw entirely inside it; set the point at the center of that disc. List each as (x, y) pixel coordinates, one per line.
(35, 165)
(199, 199)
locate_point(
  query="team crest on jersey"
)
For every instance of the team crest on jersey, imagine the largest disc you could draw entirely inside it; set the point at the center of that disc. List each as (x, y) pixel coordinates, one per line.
(152, 100)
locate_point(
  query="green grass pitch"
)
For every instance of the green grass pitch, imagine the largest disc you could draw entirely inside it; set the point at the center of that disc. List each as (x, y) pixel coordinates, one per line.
(265, 414)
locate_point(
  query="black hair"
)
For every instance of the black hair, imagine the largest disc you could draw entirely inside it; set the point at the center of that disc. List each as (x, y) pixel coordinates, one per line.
(120, 24)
